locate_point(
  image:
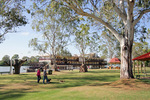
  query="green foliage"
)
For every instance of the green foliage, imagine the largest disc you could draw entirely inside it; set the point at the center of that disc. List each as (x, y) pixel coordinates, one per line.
(64, 53)
(47, 21)
(5, 60)
(141, 45)
(143, 3)
(140, 48)
(27, 62)
(36, 46)
(110, 47)
(141, 33)
(82, 38)
(1, 63)
(33, 59)
(149, 31)
(15, 56)
(10, 16)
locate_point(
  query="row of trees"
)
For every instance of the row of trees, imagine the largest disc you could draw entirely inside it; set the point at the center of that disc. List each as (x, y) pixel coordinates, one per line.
(6, 60)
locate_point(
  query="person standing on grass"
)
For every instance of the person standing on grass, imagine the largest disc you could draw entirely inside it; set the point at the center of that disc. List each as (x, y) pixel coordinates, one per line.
(38, 75)
(45, 76)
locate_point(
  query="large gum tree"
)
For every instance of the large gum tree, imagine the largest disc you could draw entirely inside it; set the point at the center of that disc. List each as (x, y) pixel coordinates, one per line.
(129, 12)
(55, 36)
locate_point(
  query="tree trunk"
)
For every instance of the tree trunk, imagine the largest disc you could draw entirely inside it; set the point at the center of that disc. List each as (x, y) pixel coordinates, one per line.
(141, 67)
(54, 64)
(144, 67)
(17, 65)
(126, 62)
(126, 45)
(83, 68)
(17, 69)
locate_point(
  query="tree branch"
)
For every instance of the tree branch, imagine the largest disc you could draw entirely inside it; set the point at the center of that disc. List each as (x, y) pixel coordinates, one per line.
(92, 2)
(81, 12)
(22, 61)
(123, 7)
(120, 13)
(5, 32)
(105, 24)
(2, 35)
(140, 16)
(6, 63)
(77, 4)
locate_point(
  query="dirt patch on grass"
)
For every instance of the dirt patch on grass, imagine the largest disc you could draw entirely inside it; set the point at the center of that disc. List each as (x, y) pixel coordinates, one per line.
(130, 84)
(126, 84)
(145, 77)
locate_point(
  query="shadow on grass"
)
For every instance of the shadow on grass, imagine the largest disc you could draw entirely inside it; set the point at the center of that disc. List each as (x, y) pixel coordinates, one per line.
(85, 80)
(10, 94)
(2, 85)
(99, 84)
(13, 94)
(18, 77)
(20, 74)
(54, 83)
(107, 78)
(70, 84)
(147, 81)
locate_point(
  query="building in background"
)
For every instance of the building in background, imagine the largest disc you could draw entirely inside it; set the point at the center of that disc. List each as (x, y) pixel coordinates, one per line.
(68, 63)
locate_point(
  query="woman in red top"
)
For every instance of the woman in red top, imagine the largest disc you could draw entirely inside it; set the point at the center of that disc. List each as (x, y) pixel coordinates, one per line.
(38, 75)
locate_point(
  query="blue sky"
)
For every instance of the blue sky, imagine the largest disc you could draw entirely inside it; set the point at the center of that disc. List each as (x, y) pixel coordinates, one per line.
(17, 43)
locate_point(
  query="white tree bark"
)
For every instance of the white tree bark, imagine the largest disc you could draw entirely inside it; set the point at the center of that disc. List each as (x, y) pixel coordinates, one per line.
(126, 40)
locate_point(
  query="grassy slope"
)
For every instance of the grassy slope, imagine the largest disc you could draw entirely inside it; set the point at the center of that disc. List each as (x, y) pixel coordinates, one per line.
(93, 85)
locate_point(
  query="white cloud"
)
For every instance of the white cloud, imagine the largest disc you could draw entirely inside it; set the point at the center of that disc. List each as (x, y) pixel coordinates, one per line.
(25, 33)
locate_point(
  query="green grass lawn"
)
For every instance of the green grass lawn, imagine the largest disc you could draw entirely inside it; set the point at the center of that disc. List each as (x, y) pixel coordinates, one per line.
(97, 84)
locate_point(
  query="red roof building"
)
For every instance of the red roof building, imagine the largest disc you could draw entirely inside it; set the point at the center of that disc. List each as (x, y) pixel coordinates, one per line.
(143, 57)
(114, 61)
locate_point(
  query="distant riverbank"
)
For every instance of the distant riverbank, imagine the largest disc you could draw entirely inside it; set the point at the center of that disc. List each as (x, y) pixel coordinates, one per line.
(7, 68)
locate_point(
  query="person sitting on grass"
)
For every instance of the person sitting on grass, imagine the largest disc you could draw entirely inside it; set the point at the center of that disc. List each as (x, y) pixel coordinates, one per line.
(45, 76)
(38, 75)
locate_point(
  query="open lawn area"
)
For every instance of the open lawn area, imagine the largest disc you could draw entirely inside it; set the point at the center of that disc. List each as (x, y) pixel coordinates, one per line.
(97, 84)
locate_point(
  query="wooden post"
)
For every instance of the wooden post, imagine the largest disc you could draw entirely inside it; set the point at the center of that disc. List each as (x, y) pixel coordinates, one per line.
(134, 66)
(141, 66)
(144, 67)
(138, 67)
